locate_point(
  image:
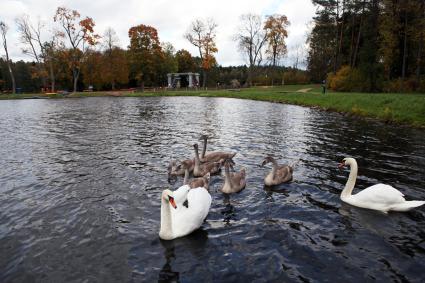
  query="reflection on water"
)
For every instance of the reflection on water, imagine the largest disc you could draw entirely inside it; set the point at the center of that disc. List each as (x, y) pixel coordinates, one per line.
(81, 179)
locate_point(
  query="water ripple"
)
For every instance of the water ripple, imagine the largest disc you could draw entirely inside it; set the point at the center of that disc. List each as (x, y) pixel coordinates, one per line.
(81, 179)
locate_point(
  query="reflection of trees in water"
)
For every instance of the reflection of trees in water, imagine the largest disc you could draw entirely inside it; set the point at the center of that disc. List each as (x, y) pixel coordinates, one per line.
(382, 151)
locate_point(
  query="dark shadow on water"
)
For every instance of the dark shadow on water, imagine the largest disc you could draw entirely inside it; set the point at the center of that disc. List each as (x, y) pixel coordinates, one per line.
(228, 210)
(167, 274)
(279, 189)
(194, 243)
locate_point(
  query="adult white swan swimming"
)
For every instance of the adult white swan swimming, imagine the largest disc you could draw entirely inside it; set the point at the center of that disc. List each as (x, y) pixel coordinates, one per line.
(183, 211)
(378, 197)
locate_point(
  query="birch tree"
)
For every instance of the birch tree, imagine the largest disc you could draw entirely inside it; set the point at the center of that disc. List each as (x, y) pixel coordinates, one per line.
(3, 30)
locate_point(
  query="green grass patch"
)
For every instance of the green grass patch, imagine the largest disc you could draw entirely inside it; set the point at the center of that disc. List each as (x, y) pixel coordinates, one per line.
(392, 107)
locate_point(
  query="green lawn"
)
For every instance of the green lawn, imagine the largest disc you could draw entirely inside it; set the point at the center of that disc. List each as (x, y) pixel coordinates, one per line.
(393, 107)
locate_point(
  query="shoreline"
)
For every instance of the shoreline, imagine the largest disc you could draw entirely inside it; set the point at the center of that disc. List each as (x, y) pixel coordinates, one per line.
(399, 108)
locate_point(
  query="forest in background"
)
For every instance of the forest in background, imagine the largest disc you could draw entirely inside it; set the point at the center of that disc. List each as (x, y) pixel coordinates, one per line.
(354, 45)
(373, 45)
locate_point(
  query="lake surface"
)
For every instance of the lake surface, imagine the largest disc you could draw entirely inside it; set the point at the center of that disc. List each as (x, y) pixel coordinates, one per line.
(80, 185)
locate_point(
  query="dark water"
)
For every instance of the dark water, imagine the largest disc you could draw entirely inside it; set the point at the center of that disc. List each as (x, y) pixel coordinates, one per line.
(80, 184)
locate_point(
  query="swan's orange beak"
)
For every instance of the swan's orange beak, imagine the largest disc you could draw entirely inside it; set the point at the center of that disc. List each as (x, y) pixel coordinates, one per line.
(172, 202)
(341, 165)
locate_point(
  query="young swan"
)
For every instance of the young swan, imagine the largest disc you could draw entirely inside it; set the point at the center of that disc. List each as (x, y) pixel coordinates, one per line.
(177, 219)
(214, 156)
(201, 169)
(233, 182)
(378, 197)
(175, 169)
(279, 174)
(203, 181)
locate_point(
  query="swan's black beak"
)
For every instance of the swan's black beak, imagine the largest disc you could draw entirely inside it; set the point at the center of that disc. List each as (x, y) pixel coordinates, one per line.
(172, 202)
(264, 163)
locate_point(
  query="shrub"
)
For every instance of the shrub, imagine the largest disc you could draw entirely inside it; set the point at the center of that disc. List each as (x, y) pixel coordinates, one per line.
(235, 83)
(346, 79)
(408, 85)
(294, 76)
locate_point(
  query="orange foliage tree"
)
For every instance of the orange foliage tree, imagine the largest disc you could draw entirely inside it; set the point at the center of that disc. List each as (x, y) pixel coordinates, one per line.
(80, 35)
(202, 35)
(145, 54)
(276, 32)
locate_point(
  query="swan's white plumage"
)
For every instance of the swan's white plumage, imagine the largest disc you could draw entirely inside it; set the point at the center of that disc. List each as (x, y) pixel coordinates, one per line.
(185, 220)
(378, 197)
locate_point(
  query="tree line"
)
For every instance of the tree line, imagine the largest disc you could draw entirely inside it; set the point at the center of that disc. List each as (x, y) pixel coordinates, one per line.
(76, 57)
(368, 45)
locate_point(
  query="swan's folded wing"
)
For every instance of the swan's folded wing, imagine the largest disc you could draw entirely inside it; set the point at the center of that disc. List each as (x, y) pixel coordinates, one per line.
(199, 201)
(215, 156)
(238, 179)
(283, 173)
(187, 219)
(180, 195)
(380, 193)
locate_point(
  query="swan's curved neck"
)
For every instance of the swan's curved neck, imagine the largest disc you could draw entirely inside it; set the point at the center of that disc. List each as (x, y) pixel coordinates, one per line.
(166, 230)
(197, 161)
(349, 186)
(204, 148)
(186, 176)
(274, 168)
(227, 175)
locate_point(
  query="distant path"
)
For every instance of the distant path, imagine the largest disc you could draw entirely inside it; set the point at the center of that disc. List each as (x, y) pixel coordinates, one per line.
(304, 90)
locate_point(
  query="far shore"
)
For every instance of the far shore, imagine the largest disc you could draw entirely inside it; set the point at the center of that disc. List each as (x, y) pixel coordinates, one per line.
(403, 108)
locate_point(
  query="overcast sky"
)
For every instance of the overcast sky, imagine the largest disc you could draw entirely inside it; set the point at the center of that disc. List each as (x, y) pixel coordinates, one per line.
(170, 18)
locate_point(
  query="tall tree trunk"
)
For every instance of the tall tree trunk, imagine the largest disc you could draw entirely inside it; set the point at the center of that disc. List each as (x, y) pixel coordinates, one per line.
(356, 50)
(250, 70)
(12, 76)
(340, 37)
(421, 44)
(352, 40)
(204, 77)
(273, 64)
(9, 66)
(76, 73)
(336, 36)
(52, 76)
(403, 68)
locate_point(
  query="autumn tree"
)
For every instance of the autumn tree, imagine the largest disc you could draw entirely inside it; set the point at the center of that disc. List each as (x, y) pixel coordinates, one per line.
(251, 38)
(202, 34)
(168, 64)
(80, 35)
(91, 69)
(41, 51)
(115, 69)
(185, 61)
(145, 54)
(3, 30)
(276, 32)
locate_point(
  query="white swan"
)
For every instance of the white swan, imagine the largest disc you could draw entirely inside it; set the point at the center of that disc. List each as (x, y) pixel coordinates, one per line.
(183, 211)
(378, 197)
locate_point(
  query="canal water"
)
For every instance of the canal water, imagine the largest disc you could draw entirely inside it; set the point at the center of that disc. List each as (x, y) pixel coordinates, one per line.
(81, 179)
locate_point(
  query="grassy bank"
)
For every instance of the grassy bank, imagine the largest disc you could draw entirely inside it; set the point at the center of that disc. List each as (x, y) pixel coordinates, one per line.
(392, 107)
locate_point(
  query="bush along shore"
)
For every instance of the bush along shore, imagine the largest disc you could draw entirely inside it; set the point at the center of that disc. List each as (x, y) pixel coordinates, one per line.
(389, 107)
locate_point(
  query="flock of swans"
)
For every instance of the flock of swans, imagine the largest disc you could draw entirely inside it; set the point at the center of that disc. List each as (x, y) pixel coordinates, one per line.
(185, 209)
